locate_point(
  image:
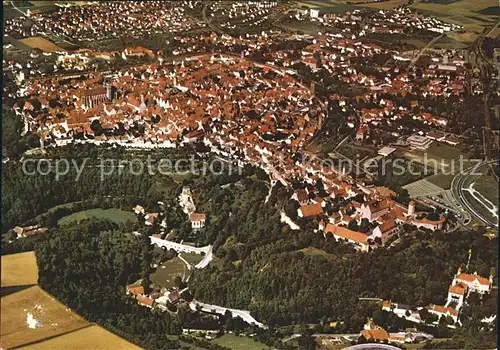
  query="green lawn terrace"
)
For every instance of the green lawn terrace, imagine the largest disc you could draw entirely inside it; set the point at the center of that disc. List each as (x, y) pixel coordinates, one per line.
(165, 273)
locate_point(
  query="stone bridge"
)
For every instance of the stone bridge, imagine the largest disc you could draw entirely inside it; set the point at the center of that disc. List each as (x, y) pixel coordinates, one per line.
(184, 248)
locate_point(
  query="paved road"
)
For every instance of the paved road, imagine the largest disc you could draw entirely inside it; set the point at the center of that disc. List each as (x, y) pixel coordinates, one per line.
(457, 187)
(320, 335)
(244, 314)
(208, 22)
(206, 260)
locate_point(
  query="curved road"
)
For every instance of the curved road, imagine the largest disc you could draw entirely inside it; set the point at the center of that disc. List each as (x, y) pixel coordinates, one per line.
(244, 314)
(457, 188)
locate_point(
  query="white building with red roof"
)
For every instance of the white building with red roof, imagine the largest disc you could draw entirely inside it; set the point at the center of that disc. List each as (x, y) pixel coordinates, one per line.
(440, 311)
(474, 282)
(197, 220)
(456, 295)
(358, 239)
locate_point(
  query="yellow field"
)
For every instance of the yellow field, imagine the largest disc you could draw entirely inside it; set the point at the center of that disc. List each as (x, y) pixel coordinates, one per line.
(469, 36)
(19, 269)
(494, 33)
(42, 44)
(93, 337)
(54, 317)
(62, 328)
(463, 13)
(42, 3)
(464, 7)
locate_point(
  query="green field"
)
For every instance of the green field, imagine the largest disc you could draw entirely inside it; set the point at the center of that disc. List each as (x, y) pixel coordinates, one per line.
(444, 151)
(488, 186)
(117, 215)
(165, 273)
(440, 157)
(192, 258)
(446, 42)
(239, 342)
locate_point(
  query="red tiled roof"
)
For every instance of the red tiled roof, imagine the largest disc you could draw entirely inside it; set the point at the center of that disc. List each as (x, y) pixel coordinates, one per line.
(457, 289)
(376, 207)
(197, 217)
(445, 309)
(143, 300)
(375, 334)
(387, 226)
(136, 290)
(311, 209)
(346, 233)
(470, 278)
(387, 303)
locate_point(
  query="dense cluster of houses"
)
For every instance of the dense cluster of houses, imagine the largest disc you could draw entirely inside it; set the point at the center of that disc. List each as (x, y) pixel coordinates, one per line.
(378, 107)
(253, 112)
(229, 15)
(110, 20)
(245, 111)
(174, 106)
(360, 22)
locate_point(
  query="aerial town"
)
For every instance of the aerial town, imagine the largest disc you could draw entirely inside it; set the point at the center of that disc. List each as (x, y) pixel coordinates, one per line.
(331, 178)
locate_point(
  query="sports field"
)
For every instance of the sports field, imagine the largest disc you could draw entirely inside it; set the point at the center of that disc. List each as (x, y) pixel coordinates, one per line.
(43, 44)
(19, 269)
(117, 215)
(32, 315)
(441, 157)
(164, 275)
(92, 337)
